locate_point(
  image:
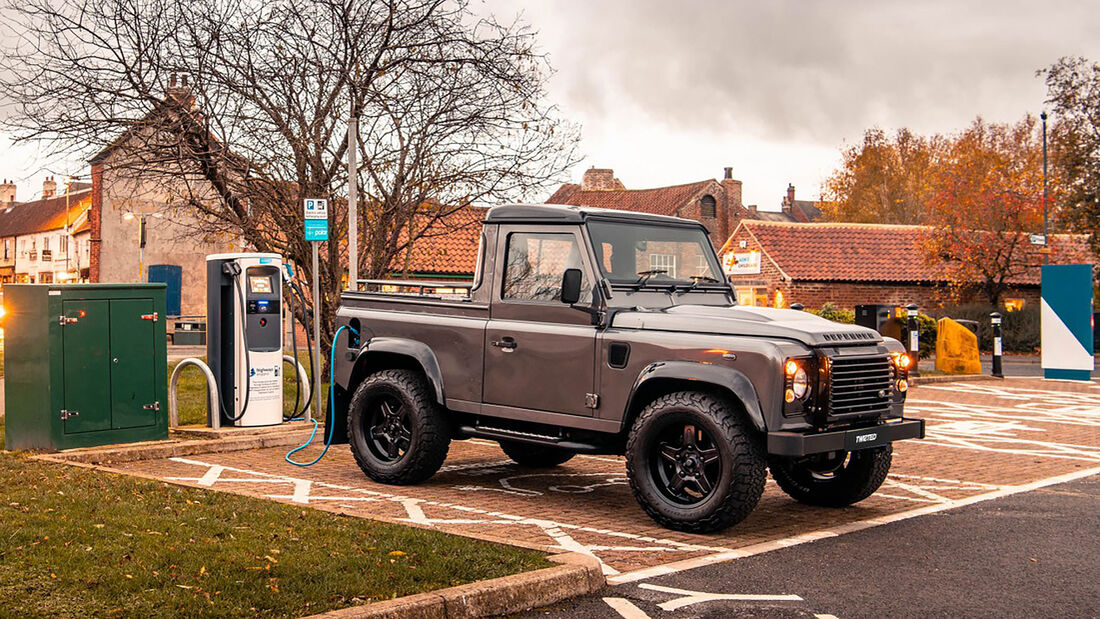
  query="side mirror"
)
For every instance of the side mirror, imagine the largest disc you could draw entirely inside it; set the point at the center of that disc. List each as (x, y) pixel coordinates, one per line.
(571, 286)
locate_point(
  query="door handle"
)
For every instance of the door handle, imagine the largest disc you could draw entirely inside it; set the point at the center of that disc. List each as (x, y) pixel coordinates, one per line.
(507, 343)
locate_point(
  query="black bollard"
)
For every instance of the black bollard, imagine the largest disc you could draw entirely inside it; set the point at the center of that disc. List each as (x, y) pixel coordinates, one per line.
(914, 339)
(998, 371)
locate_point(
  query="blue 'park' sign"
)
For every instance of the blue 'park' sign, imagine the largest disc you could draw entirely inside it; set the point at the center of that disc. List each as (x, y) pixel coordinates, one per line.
(1067, 321)
(316, 229)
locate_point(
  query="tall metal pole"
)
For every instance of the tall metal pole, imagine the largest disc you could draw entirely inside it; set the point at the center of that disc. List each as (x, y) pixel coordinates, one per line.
(353, 203)
(316, 337)
(1046, 238)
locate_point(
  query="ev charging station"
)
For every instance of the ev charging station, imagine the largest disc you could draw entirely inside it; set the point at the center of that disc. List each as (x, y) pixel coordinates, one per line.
(244, 346)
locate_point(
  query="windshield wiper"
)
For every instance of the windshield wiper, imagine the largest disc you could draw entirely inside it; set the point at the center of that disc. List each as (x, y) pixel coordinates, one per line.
(695, 279)
(645, 275)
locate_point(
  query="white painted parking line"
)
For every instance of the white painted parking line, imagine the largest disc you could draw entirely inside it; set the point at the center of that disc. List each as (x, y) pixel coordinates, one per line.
(560, 533)
(689, 597)
(625, 608)
(755, 549)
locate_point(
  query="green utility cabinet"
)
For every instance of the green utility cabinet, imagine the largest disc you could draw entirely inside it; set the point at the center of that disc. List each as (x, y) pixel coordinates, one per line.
(84, 364)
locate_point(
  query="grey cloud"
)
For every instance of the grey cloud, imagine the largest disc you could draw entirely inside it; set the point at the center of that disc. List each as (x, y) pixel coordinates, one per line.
(814, 71)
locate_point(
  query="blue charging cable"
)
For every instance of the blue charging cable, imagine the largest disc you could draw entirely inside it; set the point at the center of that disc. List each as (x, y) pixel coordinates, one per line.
(331, 407)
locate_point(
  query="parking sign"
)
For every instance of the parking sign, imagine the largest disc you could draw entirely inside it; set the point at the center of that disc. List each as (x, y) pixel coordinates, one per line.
(315, 211)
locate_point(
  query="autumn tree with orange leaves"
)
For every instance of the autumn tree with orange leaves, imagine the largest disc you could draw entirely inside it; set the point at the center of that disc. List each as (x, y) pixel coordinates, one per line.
(986, 200)
(883, 179)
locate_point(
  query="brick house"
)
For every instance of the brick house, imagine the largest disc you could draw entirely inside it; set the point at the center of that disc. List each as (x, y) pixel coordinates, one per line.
(779, 263)
(715, 204)
(126, 196)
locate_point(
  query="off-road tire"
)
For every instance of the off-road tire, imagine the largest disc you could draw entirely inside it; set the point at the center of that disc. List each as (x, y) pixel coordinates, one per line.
(742, 463)
(535, 456)
(857, 479)
(430, 436)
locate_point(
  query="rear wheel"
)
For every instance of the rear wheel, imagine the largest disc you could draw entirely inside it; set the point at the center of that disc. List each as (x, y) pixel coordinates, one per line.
(834, 479)
(397, 432)
(693, 464)
(535, 456)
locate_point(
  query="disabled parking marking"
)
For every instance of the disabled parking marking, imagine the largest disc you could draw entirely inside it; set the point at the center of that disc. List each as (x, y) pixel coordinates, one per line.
(1003, 437)
(558, 532)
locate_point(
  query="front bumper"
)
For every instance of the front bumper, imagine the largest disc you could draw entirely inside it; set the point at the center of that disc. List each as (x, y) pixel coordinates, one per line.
(800, 444)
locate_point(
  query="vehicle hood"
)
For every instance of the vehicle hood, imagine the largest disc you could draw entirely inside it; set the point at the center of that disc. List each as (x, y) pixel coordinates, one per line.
(750, 321)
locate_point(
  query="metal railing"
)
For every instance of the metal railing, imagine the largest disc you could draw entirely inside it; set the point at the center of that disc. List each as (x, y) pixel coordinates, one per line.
(420, 286)
(212, 395)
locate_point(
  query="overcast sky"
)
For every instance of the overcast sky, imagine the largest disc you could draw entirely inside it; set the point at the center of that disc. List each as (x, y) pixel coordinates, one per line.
(672, 91)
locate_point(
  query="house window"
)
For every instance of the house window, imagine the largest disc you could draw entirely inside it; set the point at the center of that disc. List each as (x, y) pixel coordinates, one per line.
(707, 206)
(752, 296)
(663, 262)
(63, 244)
(702, 267)
(7, 249)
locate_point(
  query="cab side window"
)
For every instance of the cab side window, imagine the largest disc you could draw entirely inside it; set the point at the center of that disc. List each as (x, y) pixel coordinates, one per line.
(536, 263)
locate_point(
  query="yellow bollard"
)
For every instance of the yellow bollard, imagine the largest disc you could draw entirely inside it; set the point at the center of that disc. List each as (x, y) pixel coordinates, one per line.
(956, 349)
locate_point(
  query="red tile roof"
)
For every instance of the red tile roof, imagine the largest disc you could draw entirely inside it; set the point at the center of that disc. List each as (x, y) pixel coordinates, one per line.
(448, 246)
(876, 252)
(659, 201)
(42, 215)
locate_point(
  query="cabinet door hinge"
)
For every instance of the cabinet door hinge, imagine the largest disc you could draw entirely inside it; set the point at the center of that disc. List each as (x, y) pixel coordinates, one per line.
(66, 320)
(591, 400)
(155, 406)
(66, 414)
(152, 316)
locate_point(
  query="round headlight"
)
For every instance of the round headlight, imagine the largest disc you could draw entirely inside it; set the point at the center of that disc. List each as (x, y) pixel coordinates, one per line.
(800, 383)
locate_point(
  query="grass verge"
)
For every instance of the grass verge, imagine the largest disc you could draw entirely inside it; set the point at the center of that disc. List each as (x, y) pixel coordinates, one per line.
(83, 543)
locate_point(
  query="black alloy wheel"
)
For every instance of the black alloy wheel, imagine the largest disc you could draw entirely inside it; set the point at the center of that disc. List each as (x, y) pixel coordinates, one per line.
(694, 462)
(397, 432)
(390, 429)
(690, 465)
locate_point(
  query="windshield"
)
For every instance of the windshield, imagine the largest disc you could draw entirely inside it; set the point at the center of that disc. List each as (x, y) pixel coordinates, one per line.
(649, 253)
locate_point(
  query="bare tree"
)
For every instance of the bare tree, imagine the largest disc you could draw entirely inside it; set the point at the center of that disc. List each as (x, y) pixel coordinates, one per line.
(452, 110)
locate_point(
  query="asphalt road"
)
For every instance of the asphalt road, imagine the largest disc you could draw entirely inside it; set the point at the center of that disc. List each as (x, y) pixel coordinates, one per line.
(1027, 555)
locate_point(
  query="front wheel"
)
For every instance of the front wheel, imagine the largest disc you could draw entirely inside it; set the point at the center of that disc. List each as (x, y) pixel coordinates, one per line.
(834, 479)
(693, 463)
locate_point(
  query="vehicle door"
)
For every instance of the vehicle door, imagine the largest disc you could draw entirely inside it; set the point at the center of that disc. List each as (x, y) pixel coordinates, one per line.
(539, 352)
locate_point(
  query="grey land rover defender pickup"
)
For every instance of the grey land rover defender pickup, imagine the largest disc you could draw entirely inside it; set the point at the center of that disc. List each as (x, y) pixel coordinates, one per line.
(611, 332)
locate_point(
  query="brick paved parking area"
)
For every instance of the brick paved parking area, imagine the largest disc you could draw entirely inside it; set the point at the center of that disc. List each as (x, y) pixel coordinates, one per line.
(985, 439)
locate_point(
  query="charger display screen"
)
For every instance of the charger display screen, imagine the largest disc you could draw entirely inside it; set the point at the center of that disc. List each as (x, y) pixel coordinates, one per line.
(259, 284)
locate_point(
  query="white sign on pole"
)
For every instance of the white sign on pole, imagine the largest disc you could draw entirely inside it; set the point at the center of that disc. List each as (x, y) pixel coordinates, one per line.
(316, 208)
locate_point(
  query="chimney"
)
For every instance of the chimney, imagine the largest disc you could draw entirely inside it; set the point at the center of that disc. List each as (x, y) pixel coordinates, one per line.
(730, 209)
(752, 211)
(600, 179)
(788, 203)
(49, 188)
(7, 193)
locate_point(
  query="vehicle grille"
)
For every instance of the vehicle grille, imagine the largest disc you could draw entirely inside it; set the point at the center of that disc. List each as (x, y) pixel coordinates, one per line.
(859, 386)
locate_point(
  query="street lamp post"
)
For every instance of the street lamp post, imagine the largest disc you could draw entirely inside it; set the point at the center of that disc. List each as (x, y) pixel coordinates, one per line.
(141, 217)
(1046, 232)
